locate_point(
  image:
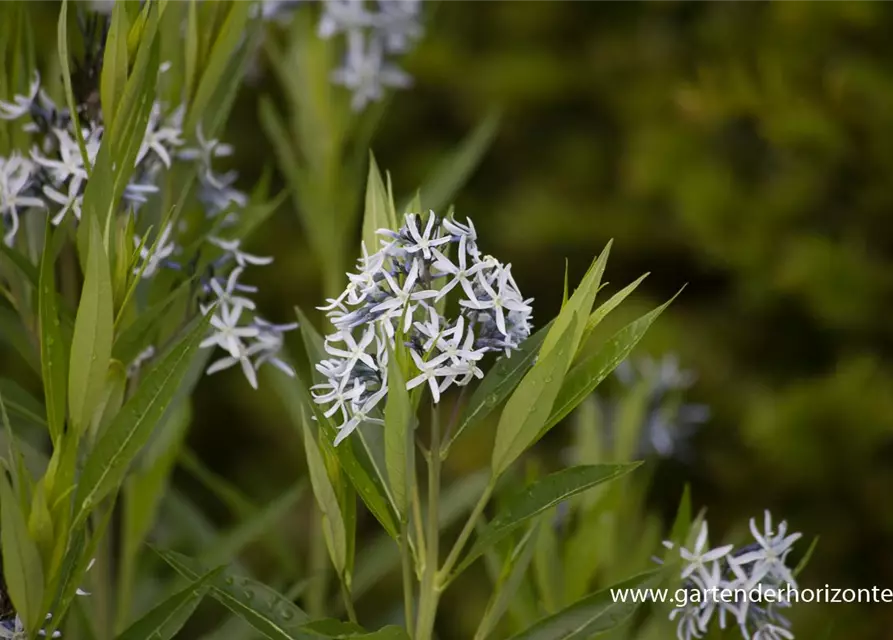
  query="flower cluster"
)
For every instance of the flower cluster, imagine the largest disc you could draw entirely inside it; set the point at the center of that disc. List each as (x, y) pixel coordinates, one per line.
(400, 291)
(391, 27)
(53, 177)
(734, 572)
(249, 344)
(669, 420)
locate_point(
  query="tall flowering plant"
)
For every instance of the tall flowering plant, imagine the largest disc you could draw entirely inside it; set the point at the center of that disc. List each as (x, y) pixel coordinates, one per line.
(429, 319)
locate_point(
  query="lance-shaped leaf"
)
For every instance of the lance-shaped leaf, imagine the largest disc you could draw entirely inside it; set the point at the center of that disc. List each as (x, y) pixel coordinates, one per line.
(260, 606)
(499, 382)
(114, 62)
(229, 37)
(584, 376)
(53, 350)
(354, 461)
(538, 497)
(379, 213)
(399, 451)
(21, 405)
(578, 306)
(600, 612)
(529, 406)
(607, 307)
(22, 568)
(165, 620)
(130, 430)
(332, 522)
(91, 344)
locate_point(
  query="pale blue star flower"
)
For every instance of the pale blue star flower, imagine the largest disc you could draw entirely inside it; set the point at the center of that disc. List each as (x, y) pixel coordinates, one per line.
(20, 105)
(15, 179)
(227, 333)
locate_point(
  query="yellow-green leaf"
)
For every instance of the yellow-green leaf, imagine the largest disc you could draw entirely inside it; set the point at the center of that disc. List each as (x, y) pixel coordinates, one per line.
(91, 344)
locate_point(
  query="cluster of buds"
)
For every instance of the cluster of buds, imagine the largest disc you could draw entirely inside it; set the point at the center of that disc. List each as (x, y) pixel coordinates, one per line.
(715, 578)
(400, 292)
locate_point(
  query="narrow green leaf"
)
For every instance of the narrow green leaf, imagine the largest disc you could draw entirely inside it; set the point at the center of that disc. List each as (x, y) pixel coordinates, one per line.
(682, 522)
(192, 40)
(91, 344)
(538, 497)
(62, 48)
(165, 620)
(579, 304)
(132, 338)
(22, 568)
(354, 460)
(260, 606)
(588, 373)
(398, 419)
(377, 214)
(13, 333)
(21, 263)
(108, 462)
(332, 522)
(229, 37)
(453, 172)
(21, 404)
(594, 614)
(513, 571)
(114, 62)
(529, 406)
(498, 383)
(607, 307)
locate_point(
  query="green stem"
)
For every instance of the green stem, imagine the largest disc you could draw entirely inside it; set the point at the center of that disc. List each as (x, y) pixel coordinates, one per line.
(453, 557)
(348, 602)
(430, 593)
(406, 561)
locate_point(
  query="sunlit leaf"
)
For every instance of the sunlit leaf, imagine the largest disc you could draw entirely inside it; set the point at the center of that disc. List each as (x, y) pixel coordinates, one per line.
(589, 372)
(91, 344)
(398, 436)
(114, 62)
(108, 462)
(22, 568)
(498, 383)
(527, 409)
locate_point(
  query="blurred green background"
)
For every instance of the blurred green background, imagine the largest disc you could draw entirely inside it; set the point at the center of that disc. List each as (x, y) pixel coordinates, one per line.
(742, 149)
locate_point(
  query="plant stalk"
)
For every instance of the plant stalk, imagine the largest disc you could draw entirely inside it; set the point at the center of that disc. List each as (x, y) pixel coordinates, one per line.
(429, 595)
(453, 557)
